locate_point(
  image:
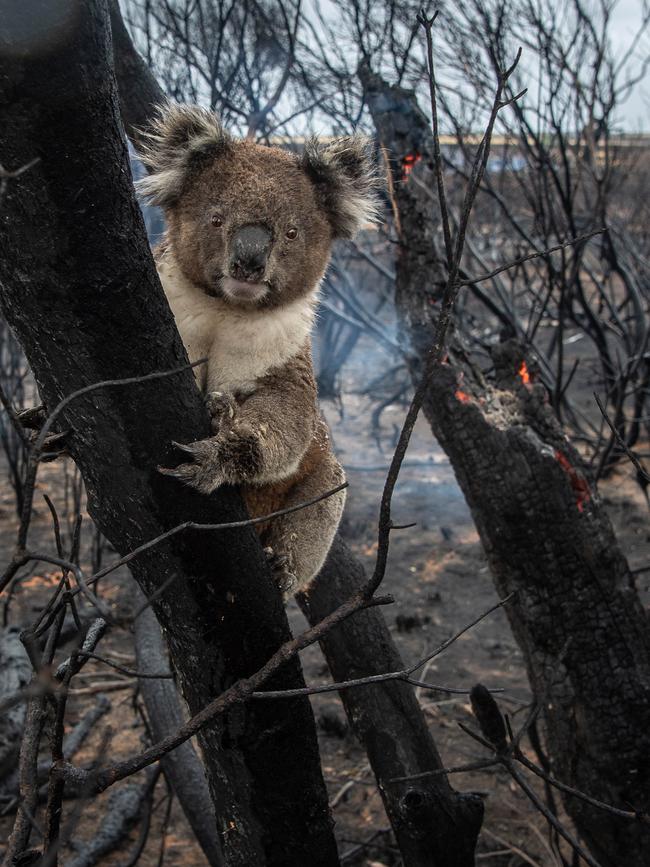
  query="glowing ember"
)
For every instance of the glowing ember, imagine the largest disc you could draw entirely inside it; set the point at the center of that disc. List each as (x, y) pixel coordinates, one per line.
(462, 397)
(524, 374)
(578, 482)
(408, 162)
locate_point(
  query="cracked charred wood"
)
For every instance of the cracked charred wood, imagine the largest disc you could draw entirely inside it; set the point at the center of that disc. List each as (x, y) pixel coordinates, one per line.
(576, 616)
(434, 825)
(80, 291)
(183, 768)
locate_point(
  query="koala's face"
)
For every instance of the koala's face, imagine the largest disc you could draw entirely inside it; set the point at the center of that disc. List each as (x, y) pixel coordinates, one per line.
(249, 228)
(251, 224)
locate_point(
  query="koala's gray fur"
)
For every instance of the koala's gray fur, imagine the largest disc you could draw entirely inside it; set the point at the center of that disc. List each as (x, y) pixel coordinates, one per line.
(250, 230)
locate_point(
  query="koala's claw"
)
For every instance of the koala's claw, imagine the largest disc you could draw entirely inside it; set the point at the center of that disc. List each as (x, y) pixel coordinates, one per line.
(184, 447)
(202, 474)
(284, 578)
(222, 408)
(276, 560)
(287, 583)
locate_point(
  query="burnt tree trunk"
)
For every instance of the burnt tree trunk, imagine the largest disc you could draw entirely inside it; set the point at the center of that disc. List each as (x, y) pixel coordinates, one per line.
(576, 615)
(434, 825)
(80, 290)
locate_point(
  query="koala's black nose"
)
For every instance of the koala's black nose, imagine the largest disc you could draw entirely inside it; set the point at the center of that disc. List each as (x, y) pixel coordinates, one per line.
(250, 252)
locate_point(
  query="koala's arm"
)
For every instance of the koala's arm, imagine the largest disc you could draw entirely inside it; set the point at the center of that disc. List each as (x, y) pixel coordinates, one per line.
(263, 438)
(273, 427)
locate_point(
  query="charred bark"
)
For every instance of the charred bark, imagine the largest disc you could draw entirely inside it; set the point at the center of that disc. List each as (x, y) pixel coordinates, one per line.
(434, 825)
(576, 615)
(80, 290)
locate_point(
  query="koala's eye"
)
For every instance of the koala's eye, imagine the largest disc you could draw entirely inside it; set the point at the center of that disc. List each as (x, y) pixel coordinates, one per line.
(292, 234)
(216, 220)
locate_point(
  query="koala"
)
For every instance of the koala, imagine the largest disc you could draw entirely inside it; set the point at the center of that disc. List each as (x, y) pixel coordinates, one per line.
(249, 235)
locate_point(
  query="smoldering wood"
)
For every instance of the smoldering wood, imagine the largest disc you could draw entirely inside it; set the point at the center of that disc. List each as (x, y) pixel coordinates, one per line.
(433, 824)
(182, 766)
(75, 262)
(599, 291)
(577, 617)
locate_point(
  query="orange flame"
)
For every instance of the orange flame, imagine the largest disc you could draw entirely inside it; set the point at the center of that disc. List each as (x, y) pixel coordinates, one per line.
(576, 479)
(524, 374)
(408, 162)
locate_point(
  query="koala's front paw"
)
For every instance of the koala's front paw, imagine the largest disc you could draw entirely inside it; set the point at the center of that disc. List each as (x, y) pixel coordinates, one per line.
(222, 407)
(204, 473)
(234, 456)
(284, 578)
(241, 452)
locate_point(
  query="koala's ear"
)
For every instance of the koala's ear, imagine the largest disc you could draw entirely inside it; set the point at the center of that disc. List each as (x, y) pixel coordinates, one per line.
(179, 139)
(346, 181)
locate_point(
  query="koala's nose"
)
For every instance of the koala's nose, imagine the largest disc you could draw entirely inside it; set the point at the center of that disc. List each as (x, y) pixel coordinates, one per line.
(250, 252)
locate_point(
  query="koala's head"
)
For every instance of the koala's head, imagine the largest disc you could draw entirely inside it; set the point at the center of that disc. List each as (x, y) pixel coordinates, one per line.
(248, 223)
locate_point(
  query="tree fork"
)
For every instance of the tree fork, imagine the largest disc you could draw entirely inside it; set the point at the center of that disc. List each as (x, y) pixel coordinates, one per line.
(576, 615)
(80, 290)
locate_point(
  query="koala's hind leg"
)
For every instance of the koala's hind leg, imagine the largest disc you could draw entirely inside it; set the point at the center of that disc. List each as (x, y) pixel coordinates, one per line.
(299, 542)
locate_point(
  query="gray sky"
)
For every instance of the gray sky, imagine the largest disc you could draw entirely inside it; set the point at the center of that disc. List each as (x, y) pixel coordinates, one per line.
(635, 114)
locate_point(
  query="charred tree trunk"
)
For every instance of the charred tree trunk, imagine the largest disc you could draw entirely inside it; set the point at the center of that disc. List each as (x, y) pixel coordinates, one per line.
(576, 615)
(80, 290)
(434, 825)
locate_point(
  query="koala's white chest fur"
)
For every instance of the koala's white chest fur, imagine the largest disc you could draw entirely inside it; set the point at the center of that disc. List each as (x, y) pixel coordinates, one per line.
(241, 345)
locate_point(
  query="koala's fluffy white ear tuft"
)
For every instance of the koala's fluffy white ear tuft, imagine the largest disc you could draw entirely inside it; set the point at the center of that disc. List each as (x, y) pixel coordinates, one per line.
(346, 181)
(178, 139)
